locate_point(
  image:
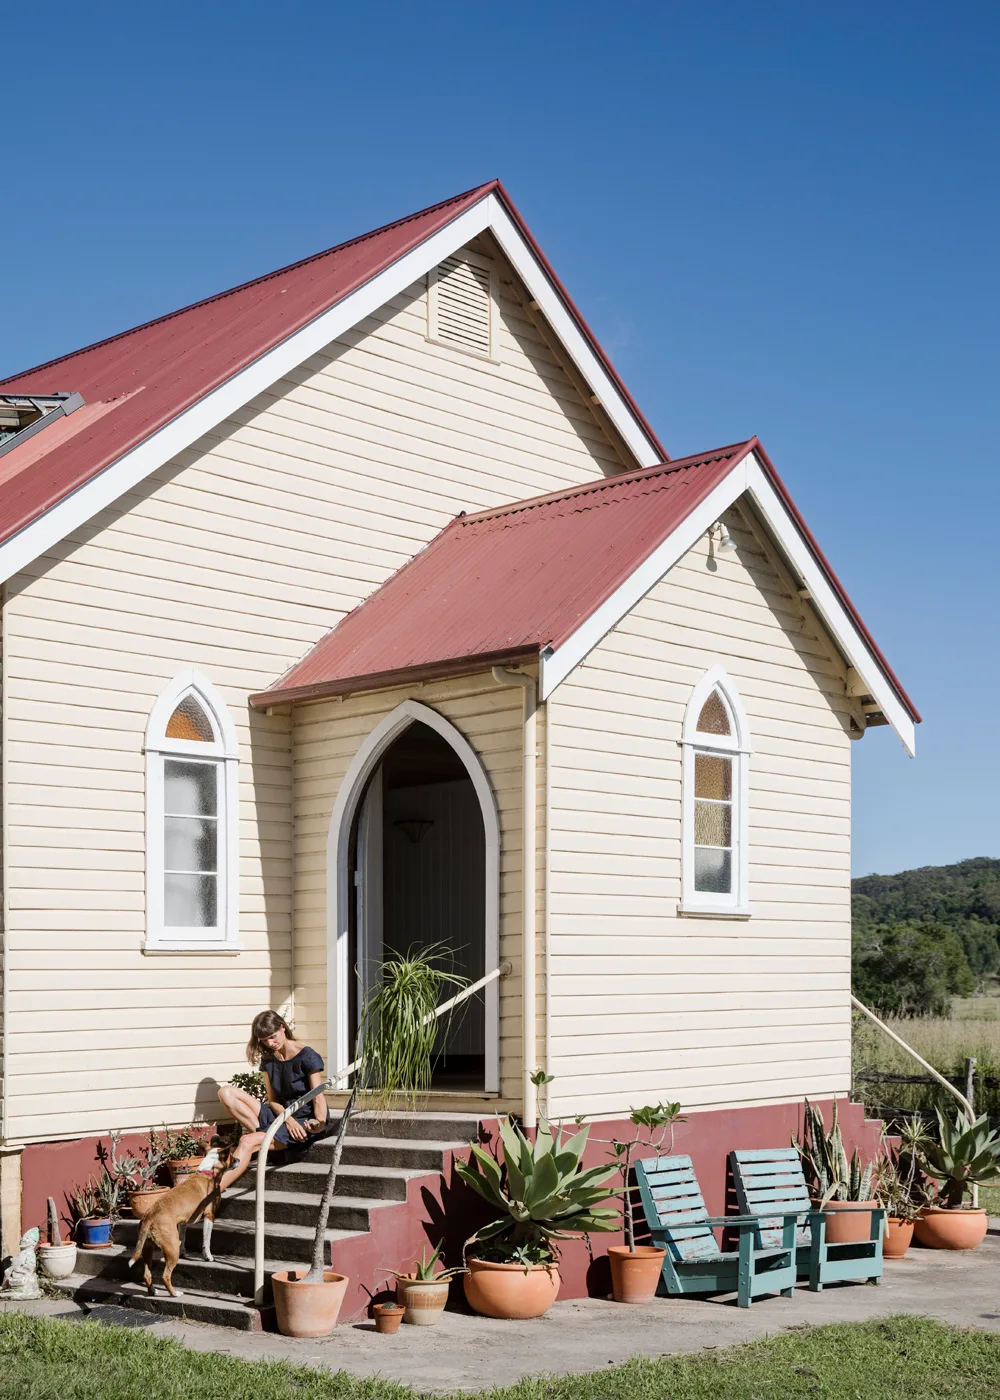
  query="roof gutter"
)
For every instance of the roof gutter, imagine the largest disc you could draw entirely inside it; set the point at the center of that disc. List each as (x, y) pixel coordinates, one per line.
(386, 680)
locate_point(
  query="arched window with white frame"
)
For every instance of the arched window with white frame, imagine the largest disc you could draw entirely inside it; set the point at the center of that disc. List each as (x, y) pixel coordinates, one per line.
(192, 846)
(714, 824)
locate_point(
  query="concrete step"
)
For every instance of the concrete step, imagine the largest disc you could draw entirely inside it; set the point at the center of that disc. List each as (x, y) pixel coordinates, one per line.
(228, 1277)
(297, 1208)
(374, 1182)
(405, 1153)
(233, 1240)
(456, 1129)
(193, 1306)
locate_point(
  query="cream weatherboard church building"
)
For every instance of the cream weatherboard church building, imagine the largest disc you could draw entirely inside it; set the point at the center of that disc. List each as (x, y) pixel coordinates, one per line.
(346, 608)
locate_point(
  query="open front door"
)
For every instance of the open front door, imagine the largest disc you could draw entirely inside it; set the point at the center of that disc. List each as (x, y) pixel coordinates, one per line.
(368, 892)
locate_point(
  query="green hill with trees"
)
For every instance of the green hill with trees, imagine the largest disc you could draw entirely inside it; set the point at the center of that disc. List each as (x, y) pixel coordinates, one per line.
(926, 935)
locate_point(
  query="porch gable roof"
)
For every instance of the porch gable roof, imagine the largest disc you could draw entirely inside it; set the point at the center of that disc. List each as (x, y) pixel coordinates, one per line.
(547, 578)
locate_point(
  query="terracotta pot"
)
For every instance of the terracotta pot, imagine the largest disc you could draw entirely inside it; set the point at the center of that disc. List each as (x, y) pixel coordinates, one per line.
(423, 1300)
(848, 1222)
(938, 1228)
(510, 1290)
(634, 1276)
(307, 1309)
(899, 1233)
(184, 1166)
(141, 1201)
(94, 1233)
(388, 1316)
(58, 1260)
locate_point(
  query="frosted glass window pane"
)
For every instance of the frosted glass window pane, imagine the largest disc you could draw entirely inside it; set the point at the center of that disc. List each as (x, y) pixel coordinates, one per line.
(190, 789)
(190, 901)
(189, 721)
(713, 824)
(713, 871)
(190, 843)
(713, 718)
(713, 777)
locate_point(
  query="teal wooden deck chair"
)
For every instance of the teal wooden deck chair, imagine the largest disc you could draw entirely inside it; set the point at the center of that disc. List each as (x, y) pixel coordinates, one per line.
(769, 1181)
(679, 1221)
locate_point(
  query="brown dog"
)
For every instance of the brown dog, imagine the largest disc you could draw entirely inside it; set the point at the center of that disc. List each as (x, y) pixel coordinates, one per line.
(196, 1195)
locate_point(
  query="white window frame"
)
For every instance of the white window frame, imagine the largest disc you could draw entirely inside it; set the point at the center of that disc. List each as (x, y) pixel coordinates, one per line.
(487, 265)
(223, 752)
(736, 745)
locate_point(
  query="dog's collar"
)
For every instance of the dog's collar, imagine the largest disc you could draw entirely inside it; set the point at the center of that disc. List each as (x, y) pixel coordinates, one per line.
(202, 1172)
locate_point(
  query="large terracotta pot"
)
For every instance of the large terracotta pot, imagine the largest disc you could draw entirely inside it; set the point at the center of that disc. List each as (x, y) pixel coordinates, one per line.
(58, 1260)
(510, 1290)
(898, 1235)
(634, 1276)
(423, 1300)
(307, 1309)
(938, 1228)
(848, 1222)
(142, 1201)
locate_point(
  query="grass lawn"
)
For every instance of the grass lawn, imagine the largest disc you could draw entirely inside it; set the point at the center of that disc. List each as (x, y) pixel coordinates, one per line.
(899, 1358)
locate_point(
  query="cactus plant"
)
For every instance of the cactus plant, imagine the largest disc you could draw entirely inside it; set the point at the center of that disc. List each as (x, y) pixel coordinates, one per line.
(834, 1177)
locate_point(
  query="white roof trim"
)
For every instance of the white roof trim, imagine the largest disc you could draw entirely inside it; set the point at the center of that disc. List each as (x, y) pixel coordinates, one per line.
(746, 478)
(218, 405)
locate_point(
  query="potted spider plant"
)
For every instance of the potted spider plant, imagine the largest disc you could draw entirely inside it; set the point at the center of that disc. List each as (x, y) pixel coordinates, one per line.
(966, 1155)
(900, 1184)
(394, 1058)
(544, 1194)
(424, 1289)
(841, 1188)
(636, 1269)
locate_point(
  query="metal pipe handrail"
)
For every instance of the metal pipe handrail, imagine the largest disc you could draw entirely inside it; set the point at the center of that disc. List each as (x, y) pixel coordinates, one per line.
(945, 1084)
(259, 1205)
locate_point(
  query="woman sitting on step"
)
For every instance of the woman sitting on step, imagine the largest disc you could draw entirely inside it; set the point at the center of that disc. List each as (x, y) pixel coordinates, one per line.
(290, 1069)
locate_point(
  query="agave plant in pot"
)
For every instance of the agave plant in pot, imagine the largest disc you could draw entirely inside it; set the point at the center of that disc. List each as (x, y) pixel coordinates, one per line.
(423, 1291)
(393, 1060)
(841, 1188)
(901, 1186)
(544, 1194)
(636, 1269)
(966, 1155)
(135, 1172)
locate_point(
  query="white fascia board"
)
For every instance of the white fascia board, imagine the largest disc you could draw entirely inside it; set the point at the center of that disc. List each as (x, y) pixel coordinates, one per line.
(179, 434)
(556, 665)
(834, 615)
(747, 477)
(553, 308)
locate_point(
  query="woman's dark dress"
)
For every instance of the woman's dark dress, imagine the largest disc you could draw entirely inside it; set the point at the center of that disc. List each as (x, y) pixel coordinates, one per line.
(289, 1081)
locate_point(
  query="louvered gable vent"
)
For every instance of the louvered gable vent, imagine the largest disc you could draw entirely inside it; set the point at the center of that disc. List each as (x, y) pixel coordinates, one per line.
(460, 304)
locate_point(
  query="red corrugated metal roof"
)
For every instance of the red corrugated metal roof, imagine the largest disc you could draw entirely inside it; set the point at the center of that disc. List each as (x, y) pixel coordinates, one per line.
(511, 580)
(166, 365)
(508, 582)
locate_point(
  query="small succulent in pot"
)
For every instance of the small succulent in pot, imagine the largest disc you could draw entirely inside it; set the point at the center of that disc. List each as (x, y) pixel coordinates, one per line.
(423, 1289)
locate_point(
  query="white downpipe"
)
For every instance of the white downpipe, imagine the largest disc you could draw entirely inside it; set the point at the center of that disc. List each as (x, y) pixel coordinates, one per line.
(529, 1017)
(956, 1093)
(334, 1079)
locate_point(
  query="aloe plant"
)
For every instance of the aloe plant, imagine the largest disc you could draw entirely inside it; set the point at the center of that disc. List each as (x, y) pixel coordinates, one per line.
(425, 1268)
(542, 1191)
(968, 1155)
(835, 1178)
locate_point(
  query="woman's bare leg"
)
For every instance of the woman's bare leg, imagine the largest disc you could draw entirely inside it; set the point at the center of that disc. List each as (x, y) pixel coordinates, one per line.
(241, 1106)
(245, 1148)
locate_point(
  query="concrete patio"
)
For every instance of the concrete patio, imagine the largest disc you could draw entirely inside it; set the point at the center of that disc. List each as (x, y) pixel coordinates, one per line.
(472, 1353)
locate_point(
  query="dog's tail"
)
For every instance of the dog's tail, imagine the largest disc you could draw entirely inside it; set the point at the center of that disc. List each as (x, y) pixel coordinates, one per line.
(144, 1228)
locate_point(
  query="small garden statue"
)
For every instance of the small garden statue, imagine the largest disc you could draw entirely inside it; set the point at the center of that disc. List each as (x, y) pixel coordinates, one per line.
(21, 1279)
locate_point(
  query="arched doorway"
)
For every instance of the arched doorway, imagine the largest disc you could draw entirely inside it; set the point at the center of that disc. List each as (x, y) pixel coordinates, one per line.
(414, 861)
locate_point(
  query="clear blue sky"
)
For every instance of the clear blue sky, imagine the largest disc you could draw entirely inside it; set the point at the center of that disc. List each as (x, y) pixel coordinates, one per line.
(780, 218)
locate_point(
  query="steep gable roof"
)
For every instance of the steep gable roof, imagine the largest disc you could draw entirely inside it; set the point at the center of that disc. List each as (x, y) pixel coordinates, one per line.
(155, 374)
(545, 579)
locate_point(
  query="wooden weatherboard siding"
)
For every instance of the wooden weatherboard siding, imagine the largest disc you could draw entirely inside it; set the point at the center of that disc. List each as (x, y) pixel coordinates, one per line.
(327, 735)
(234, 559)
(647, 1004)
